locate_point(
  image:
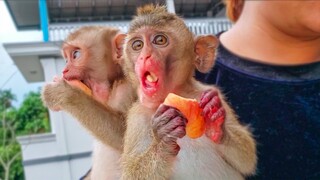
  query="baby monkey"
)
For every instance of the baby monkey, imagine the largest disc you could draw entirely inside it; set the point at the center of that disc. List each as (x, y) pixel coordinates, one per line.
(161, 55)
(94, 56)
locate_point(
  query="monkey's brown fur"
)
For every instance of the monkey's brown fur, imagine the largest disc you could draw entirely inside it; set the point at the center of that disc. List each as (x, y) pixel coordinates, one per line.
(146, 156)
(102, 114)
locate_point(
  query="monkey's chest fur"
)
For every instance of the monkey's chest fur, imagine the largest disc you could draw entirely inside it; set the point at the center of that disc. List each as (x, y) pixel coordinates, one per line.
(199, 159)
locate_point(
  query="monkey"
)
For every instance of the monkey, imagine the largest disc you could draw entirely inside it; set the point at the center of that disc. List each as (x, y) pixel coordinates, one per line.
(160, 56)
(94, 56)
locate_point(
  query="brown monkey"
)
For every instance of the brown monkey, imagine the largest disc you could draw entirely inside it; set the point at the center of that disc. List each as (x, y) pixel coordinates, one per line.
(161, 55)
(94, 55)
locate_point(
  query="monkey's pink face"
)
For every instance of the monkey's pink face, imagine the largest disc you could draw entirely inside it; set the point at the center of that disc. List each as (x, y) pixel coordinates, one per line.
(78, 68)
(149, 75)
(75, 63)
(150, 53)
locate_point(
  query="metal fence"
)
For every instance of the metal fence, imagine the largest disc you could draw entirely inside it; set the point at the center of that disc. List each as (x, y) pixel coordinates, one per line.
(208, 26)
(58, 32)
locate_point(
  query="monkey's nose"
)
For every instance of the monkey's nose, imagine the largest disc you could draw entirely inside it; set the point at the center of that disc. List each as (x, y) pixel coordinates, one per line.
(65, 71)
(146, 56)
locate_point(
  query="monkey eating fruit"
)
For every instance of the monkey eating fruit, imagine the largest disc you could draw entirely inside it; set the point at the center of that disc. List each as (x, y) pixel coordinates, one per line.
(161, 55)
(95, 91)
(80, 85)
(190, 108)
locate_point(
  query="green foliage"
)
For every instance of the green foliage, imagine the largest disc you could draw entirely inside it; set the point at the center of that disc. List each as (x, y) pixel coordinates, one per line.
(16, 169)
(30, 118)
(6, 98)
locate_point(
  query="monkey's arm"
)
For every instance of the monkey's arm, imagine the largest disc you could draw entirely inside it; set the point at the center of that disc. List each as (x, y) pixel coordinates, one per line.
(150, 143)
(234, 141)
(238, 147)
(104, 123)
(149, 164)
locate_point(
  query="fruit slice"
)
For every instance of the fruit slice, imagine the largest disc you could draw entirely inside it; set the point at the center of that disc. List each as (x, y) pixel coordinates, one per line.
(80, 85)
(191, 110)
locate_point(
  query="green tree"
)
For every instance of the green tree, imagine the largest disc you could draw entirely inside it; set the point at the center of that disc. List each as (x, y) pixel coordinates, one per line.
(6, 98)
(10, 151)
(30, 118)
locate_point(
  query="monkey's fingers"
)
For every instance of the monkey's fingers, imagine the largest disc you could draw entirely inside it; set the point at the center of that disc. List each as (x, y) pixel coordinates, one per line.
(214, 127)
(176, 127)
(211, 107)
(220, 113)
(49, 103)
(51, 106)
(178, 132)
(167, 112)
(207, 97)
(50, 96)
(167, 121)
(161, 109)
(170, 139)
(56, 109)
(191, 111)
(172, 148)
(56, 78)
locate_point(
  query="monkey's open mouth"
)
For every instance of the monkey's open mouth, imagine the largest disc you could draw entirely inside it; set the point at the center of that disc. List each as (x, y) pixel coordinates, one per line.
(151, 78)
(150, 82)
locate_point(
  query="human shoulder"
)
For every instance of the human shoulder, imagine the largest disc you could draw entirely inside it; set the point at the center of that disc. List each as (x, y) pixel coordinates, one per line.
(233, 63)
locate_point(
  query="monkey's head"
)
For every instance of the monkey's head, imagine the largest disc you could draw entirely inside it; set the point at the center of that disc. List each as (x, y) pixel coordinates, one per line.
(93, 55)
(161, 53)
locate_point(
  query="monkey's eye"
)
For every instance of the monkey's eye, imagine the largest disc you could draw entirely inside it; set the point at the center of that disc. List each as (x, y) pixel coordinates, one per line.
(137, 45)
(160, 40)
(76, 54)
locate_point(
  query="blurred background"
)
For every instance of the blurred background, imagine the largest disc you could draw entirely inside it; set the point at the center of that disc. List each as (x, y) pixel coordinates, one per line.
(35, 143)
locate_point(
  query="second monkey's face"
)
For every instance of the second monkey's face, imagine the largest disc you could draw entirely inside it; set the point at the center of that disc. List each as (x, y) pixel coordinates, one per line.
(155, 59)
(92, 55)
(75, 59)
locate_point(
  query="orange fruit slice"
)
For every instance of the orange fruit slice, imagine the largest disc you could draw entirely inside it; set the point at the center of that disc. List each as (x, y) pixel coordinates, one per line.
(190, 108)
(80, 85)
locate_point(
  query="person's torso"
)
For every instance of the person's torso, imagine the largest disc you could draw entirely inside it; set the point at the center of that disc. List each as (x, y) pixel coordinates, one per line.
(282, 105)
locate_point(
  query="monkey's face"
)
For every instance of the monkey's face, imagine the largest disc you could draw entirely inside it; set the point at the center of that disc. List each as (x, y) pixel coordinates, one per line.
(88, 53)
(75, 58)
(91, 55)
(157, 61)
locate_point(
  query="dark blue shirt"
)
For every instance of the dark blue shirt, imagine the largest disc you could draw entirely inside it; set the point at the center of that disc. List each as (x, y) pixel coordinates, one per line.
(282, 105)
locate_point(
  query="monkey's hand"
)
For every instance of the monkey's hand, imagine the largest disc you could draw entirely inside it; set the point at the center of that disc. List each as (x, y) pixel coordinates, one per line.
(168, 124)
(56, 93)
(214, 114)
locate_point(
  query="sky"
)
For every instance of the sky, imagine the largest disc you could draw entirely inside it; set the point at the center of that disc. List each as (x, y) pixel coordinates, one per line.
(10, 76)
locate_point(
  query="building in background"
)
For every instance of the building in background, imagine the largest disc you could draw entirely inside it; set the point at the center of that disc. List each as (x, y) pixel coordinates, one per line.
(65, 153)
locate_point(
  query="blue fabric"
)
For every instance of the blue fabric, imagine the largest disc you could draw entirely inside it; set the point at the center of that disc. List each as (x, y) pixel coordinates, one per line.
(282, 106)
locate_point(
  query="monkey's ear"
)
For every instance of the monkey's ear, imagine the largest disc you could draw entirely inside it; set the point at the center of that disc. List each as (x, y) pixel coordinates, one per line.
(118, 43)
(205, 49)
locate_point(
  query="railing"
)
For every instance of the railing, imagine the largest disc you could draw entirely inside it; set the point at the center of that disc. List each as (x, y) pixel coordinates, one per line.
(208, 26)
(58, 32)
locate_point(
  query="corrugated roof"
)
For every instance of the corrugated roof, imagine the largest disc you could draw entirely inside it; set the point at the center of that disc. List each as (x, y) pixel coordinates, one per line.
(26, 13)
